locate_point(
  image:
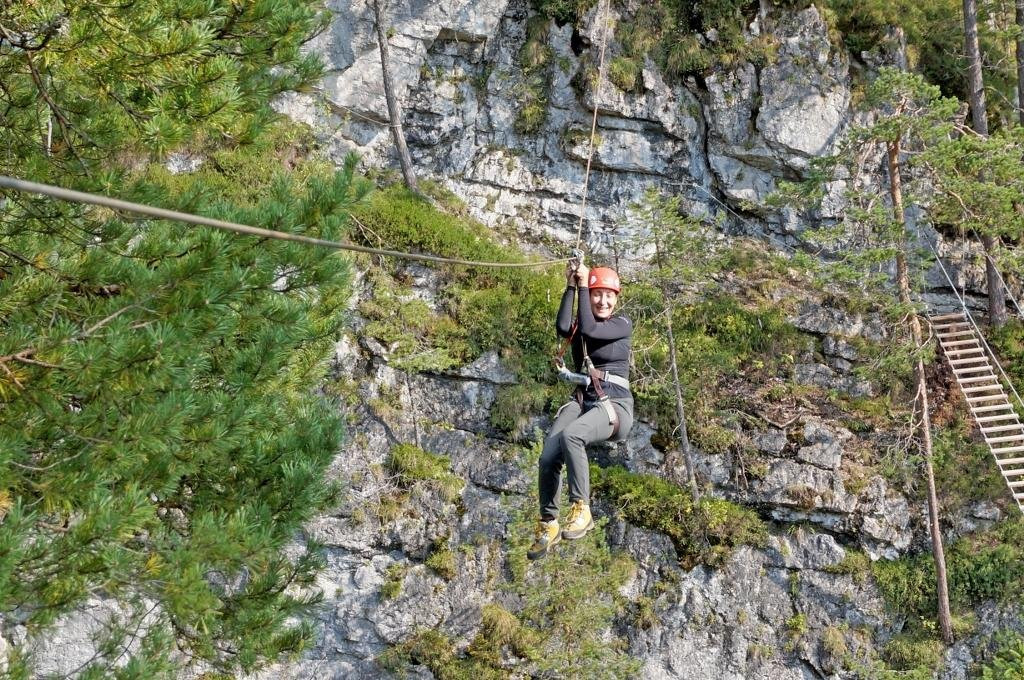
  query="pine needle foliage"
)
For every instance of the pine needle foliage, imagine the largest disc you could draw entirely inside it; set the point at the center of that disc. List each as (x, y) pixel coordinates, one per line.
(159, 441)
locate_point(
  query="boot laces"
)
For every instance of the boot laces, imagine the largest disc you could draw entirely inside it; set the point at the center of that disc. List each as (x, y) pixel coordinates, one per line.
(575, 512)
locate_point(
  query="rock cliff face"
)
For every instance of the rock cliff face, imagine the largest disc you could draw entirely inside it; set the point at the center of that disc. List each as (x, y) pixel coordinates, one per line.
(721, 143)
(763, 614)
(457, 65)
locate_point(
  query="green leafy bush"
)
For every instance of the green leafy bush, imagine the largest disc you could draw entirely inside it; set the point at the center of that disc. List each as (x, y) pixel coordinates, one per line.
(568, 601)
(707, 533)
(563, 11)
(393, 580)
(914, 652)
(442, 560)
(855, 563)
(984, 566)
(535, 57)
(510, 310)
(417, 338)
(964, 472)
(573, 615)
(625, 73)
(1008, 661)
(1008, 343)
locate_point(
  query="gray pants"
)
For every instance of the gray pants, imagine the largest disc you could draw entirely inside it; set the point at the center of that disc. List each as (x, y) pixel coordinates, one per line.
(566, 444)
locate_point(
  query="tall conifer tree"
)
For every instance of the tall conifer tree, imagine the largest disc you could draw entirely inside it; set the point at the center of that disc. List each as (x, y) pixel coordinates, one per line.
(160, 442)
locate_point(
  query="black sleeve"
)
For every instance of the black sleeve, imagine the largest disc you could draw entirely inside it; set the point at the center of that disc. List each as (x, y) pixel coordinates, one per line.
(563, 322)
(614, 328)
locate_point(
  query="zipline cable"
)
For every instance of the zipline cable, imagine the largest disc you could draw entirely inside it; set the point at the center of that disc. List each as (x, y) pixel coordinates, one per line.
(164, 214)
(593, 122)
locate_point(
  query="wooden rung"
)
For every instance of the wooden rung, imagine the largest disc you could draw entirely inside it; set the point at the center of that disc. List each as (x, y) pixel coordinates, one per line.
(1003, 428)
(1019, 496)
(977, 379)
(955, 334)
(948, 317)
(990, 397)
(1014, 473)
(988, 409)
(968, 360)
(959, 352)
(961, 343)
(982, 388)
(972, 369)
(950, 324)
(1019, 482)
(1002, 440)
(992, 419)
(1010, 461)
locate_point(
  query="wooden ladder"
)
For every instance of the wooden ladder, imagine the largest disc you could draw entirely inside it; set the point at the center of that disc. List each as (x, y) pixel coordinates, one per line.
(988, 401)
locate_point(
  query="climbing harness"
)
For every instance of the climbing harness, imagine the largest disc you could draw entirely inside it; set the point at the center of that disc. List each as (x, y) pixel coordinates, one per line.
(603, 400)
(164, 214)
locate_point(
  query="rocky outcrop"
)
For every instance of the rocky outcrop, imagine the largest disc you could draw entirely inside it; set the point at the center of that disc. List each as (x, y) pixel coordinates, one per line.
(781, 611)
(721, 143)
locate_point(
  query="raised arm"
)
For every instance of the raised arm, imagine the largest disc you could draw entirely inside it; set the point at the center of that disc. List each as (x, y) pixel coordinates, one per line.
(563, 322)
(611, 329)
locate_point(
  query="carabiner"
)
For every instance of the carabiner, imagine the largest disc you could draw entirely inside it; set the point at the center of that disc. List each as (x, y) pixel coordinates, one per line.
(577, 259)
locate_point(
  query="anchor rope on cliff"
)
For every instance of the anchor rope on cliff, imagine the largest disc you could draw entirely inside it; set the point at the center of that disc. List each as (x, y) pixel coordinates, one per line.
(164, 214)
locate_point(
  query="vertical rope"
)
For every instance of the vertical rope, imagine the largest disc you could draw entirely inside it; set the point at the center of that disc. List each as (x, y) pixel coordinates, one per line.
(593, 122)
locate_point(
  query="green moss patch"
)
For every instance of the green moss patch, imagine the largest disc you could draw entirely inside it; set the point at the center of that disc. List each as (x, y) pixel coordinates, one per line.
(706, 533)
(413, 465)
(988, 565)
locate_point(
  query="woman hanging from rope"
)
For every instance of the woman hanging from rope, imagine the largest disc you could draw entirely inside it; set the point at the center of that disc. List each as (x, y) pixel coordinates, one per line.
(602, 407)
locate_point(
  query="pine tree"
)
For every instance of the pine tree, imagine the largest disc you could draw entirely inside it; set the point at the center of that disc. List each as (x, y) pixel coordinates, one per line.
(979, 120)
(160, 440)
(876, 237)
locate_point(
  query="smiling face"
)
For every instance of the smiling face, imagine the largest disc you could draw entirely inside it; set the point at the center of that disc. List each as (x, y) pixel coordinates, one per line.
(602, 302)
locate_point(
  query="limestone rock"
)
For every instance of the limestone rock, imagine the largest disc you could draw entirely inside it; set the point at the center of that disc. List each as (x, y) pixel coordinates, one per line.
(806, 90)
(488, 367)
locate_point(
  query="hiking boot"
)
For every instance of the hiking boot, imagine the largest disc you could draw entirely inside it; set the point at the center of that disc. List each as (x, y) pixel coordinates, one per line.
(579, 521)
(545, 536)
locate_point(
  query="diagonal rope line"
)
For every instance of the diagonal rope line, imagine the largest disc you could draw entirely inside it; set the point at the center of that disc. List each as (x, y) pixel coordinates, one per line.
(593, 122)
(164, 214)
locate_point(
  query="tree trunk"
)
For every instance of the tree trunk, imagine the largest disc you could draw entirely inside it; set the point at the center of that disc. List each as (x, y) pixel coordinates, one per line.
(684, 436)
(394, 113)
(903, 283)
(979, 121)
(1020, 60)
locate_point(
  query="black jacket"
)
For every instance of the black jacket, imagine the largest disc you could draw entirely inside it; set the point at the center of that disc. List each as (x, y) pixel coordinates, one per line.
(608, 342)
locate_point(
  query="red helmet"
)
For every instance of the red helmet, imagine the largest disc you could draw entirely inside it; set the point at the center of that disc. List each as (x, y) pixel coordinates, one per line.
(603, 277)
